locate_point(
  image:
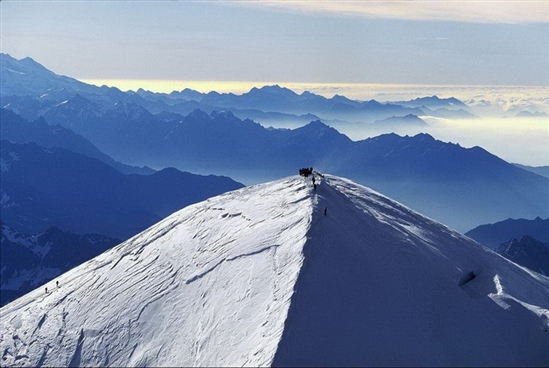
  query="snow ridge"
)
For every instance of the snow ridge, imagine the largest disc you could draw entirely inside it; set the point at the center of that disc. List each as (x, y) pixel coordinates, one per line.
(216, 274)
(285, 274)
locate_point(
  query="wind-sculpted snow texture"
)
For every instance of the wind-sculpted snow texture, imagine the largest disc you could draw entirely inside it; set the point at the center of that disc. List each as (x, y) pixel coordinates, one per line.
(282, 274)
(209, 285)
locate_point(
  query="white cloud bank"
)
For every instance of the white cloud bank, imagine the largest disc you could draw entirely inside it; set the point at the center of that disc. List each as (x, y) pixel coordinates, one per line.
(485, 11)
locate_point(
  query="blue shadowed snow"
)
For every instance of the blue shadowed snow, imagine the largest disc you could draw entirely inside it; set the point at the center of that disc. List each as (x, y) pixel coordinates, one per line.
(380, 287)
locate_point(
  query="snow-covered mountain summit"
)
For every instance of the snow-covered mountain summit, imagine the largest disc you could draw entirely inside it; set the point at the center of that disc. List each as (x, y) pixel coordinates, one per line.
(283, 274)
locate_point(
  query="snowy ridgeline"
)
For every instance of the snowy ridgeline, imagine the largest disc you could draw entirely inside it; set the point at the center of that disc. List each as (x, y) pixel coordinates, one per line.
(283, 274)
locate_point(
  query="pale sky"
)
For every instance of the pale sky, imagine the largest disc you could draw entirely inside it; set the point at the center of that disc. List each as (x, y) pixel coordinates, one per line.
(386, 42)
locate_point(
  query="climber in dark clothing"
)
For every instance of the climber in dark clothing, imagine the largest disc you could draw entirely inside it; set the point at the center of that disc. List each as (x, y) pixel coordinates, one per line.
(325, 211)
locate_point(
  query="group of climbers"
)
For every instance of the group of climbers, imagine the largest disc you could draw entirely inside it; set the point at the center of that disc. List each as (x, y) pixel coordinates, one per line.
(56, 283)
(305, 172)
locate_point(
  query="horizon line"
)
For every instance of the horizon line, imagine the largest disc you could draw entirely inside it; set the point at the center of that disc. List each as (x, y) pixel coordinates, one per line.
(327, 89)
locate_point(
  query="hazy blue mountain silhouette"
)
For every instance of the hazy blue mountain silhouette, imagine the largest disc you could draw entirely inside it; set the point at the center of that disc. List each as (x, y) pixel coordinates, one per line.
(75, 113)
(268, 105)
(186, 94)
(450, 108)
(268, 98)
(530, 114)
(30, 261)
(540, 170)
(28, 107)
(44, 187)
(527, 252)
(280, 99)
(449, 114)
(433, 102)
(493, 235)
(18, 130)
(31, 90)
(443, 180)
(27, 77)
(398, 121)
(458, 186)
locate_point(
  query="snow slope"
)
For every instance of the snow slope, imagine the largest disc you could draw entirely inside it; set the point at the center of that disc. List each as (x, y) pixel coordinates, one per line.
(260, 276)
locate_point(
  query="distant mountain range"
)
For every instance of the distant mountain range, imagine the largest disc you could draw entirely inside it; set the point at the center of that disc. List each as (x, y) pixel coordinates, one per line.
(202, 133)
(18, 130)
(527, 252)
(535, 114)
(30, 89)
(525, 242)
(540, 170)
(26, 77)
(461, 187)
(433, 103)
(44, 187)
(396, 124)
(493, 235)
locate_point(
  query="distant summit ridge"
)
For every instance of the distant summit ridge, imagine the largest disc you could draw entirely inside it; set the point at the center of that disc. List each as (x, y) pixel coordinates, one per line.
(527, 252)
(283, 274)
(442, 180)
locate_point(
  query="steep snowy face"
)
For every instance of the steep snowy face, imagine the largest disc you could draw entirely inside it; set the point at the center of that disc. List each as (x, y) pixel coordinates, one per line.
(384, 286)
(209, 285)
(285, 274)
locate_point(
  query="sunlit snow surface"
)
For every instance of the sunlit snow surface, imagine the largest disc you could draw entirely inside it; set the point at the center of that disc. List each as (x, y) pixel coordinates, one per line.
(261, 276)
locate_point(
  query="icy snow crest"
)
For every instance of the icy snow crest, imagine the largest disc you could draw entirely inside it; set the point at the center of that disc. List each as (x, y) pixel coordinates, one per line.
(283, 274)
(209, 285)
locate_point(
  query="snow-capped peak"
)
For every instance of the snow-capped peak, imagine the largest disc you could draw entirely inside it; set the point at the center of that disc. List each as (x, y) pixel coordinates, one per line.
(285, 273)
